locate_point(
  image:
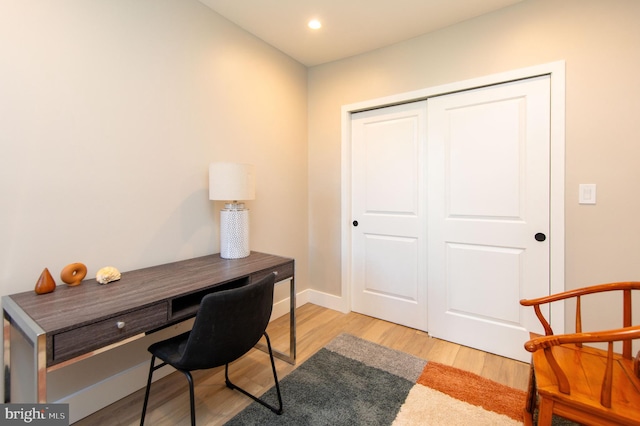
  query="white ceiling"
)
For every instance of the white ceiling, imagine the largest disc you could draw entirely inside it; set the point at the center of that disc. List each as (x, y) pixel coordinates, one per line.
(349, 27)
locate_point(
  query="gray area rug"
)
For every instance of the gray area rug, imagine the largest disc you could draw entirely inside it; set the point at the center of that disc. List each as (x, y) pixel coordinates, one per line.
(349, 382)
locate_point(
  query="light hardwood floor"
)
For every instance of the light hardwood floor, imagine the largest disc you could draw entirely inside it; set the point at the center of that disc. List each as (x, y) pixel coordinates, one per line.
(316, 326)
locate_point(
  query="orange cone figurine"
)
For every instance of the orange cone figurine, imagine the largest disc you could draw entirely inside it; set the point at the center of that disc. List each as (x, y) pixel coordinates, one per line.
(45, 283)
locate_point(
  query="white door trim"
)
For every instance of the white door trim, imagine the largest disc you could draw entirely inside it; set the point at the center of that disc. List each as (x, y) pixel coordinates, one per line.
(556, 70)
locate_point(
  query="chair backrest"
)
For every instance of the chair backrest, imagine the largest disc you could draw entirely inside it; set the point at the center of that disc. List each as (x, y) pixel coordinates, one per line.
(228, 324)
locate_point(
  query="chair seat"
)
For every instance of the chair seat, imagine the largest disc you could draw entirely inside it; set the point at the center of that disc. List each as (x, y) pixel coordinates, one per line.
(171, 350)
(585, 368)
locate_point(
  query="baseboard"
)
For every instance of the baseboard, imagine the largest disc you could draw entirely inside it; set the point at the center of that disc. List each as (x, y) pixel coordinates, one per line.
(282, 308)
(329, 301)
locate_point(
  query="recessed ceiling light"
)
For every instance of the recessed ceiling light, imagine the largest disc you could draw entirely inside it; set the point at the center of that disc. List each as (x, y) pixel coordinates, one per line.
(314, 24)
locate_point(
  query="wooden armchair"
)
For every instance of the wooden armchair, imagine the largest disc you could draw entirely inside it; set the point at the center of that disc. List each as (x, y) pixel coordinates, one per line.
(587, 385)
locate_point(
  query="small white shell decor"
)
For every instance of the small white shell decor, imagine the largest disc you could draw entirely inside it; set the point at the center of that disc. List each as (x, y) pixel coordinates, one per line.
(107, 275)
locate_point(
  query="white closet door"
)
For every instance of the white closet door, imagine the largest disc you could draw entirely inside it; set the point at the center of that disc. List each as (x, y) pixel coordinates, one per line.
(389, 214)
(488, 221)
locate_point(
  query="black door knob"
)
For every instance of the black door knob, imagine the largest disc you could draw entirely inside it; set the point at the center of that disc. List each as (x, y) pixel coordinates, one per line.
(355, 223)
(540, 236)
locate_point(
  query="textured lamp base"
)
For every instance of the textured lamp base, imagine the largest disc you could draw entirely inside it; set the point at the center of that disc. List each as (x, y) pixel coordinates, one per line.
(234, 232)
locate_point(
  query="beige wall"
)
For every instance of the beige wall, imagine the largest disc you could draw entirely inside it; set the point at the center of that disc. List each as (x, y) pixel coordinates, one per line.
(110, 112)
(599, 42)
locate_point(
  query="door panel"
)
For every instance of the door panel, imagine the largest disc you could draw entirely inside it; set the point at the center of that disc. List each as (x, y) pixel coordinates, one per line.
(494, 192)
(389, 248)
(486, 267)
(401, 280)
(488, 173)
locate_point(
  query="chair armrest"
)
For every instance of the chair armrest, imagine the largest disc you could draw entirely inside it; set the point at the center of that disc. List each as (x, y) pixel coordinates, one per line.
(631, 285)
(543, 342)
(625, 287)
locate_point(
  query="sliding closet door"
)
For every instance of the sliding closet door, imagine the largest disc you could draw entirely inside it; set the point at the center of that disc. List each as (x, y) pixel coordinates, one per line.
(488, 213)
(388, 253)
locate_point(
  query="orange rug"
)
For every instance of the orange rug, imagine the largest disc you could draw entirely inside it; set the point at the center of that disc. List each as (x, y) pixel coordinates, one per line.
(445, 395)
(473, 389)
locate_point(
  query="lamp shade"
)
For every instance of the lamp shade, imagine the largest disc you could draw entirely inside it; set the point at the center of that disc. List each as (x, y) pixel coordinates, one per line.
(231, 181)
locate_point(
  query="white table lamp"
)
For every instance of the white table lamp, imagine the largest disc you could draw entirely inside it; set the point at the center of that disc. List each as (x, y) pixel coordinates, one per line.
(233, 182)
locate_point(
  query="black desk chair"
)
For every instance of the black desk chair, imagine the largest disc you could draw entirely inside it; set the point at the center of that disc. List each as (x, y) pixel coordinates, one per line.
(228, 324)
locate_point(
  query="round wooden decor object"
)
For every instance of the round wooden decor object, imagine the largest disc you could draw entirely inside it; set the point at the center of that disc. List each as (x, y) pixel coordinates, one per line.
(73, 273)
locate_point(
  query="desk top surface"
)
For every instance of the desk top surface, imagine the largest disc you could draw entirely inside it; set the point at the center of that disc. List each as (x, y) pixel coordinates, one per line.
(73, 306)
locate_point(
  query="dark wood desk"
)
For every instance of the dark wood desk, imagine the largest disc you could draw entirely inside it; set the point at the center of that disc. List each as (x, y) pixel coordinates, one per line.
(74, 323)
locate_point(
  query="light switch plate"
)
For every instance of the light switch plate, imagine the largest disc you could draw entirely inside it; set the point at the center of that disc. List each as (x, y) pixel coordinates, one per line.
(587, 193)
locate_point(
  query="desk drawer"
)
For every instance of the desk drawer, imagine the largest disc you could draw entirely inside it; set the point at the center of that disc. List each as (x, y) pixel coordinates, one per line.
(82, 340)
(284, 271)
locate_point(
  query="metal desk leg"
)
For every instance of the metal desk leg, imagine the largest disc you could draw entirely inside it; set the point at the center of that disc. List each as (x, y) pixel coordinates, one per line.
(40, 355)
(291, 357)
(7, 356)
(292, 322)
(15, 318)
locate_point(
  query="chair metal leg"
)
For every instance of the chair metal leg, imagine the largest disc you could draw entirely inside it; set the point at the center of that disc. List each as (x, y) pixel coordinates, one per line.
(152, 368)
(192, 404)
(146, 394)
(275, 377)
